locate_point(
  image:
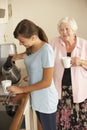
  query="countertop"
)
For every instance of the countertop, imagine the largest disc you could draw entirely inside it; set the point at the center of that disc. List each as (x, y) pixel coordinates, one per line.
(22, 100)
(17, 120)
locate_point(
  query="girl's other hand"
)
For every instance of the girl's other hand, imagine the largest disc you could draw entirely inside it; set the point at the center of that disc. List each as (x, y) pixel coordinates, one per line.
(25, 78)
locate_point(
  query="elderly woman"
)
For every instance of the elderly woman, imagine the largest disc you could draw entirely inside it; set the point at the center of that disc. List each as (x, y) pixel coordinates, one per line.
(71, 83)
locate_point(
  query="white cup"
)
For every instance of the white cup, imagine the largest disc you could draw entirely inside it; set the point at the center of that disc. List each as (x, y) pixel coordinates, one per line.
(5, 84)
(66, 61)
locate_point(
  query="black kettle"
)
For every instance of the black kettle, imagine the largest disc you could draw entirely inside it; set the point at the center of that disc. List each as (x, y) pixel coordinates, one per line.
(10, 71)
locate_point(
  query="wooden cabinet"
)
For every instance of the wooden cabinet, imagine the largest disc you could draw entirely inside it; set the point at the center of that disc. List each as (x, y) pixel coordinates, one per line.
(17, 120)
(30, 118)
(39, 125)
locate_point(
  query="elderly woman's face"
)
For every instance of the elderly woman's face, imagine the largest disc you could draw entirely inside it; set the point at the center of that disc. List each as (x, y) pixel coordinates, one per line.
(66, 31)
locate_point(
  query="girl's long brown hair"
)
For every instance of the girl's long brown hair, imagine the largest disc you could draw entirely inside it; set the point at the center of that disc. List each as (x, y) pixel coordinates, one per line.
(27, 28)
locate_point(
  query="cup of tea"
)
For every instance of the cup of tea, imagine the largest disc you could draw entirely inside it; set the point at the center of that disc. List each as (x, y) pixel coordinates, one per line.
(5, 84)
(66, 61)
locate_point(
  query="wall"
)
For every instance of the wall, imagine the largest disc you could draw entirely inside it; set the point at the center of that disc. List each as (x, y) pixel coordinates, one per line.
(46, 14)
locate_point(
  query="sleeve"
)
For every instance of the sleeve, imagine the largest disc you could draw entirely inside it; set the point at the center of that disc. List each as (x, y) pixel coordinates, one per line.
(48, 57)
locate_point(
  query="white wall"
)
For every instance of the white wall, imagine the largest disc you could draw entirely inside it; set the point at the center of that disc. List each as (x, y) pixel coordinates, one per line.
(46, 14)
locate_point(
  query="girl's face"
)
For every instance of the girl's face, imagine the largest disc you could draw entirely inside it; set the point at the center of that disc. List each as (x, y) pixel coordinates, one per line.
(66, 32)
(27, 42)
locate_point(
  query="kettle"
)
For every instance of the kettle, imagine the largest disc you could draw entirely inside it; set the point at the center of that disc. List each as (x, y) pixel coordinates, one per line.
(10, 70)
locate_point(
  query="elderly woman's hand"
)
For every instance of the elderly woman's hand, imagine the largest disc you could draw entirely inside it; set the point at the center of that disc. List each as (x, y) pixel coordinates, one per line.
(76, 61)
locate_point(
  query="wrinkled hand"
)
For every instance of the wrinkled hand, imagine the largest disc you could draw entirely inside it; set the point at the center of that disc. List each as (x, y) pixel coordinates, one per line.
(76, 61)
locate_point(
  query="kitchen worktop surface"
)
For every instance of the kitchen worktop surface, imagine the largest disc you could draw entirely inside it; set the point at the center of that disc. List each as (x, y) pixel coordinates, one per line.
(14, 119)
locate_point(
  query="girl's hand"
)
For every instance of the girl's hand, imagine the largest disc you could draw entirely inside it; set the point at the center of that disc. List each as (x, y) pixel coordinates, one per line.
(25, 78)
(14, 57)
(15, 89)
(18, 56)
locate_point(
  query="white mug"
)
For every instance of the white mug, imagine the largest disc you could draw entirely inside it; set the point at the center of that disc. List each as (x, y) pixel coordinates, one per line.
(66, 61)
(5, 84)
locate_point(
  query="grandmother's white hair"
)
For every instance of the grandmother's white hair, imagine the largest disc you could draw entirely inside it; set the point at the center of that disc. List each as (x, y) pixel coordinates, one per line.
(70, 21)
